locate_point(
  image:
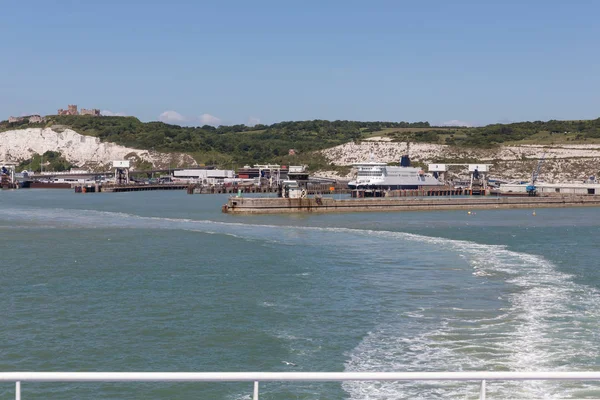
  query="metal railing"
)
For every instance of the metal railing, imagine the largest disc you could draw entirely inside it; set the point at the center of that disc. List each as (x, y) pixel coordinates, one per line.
(256, 377)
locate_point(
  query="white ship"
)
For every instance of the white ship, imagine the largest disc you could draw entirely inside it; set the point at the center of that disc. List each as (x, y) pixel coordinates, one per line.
(375, 175)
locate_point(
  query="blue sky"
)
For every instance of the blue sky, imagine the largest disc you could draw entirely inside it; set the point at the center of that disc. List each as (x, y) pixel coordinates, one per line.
(235, 62)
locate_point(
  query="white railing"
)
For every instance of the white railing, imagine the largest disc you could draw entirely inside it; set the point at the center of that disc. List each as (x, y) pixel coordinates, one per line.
(257, 377)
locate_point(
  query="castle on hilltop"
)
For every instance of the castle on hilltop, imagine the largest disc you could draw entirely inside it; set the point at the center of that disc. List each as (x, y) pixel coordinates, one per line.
(72, 110)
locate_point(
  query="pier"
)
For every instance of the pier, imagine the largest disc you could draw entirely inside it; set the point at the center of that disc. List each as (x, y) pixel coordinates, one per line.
(141, 188)
(222, 189)
(444, 191)
(312, 189)
(241, 205)
(97, 188)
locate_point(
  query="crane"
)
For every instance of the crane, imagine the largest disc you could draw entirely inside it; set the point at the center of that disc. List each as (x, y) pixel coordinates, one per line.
(531, 188)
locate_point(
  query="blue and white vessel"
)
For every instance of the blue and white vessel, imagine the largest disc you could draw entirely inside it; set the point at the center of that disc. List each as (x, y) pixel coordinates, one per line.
(376, 175)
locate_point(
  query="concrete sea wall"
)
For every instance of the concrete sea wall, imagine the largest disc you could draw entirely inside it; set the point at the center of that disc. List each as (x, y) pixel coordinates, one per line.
(241, 205)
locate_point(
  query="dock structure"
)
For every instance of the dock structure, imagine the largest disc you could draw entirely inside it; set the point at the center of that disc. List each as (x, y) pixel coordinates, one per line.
(7, 176)
(142, 188)
(422, 192)
(222, 189)
(325, 189)
(312, 189)
(241, 205)
(97, 188)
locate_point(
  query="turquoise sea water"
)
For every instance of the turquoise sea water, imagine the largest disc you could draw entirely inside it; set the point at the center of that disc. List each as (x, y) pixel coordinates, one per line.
(162, 281)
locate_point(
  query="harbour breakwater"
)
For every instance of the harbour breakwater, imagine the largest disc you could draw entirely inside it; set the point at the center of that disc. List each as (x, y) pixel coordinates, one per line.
(241, 205)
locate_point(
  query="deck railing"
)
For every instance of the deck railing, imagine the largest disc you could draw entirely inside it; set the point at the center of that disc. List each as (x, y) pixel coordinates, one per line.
(256, 377)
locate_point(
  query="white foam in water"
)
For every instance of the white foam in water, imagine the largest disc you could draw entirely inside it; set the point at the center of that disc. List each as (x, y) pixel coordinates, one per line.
(548, 322)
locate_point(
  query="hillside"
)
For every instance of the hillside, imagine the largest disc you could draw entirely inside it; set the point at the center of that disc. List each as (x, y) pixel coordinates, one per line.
(329, 146)
(238, 144)
(563, 162)
(25, 145)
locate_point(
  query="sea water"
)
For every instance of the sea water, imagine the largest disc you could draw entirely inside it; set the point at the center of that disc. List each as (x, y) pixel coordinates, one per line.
(162, 281)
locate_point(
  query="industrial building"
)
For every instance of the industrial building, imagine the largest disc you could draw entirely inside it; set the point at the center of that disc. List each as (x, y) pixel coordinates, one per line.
(203, 176)
(553, 188)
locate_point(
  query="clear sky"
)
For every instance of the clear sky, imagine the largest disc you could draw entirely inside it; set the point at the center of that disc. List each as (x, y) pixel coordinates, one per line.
(245, 61)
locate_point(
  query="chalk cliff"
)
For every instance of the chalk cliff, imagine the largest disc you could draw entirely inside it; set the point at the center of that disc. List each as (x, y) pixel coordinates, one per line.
(566, 162)
(83, 151)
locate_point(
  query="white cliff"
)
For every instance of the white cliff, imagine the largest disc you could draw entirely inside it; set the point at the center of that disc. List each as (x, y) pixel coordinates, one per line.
(81, 150)
(568, 162)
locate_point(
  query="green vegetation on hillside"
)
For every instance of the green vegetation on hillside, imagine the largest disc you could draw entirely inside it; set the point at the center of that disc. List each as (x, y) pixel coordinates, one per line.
(240, 144)
(51, 161)
(549, 132)
(225, 145)
(501, 133)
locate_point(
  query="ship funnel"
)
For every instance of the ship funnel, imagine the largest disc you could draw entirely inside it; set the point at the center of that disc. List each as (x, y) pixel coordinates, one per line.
(405, 161)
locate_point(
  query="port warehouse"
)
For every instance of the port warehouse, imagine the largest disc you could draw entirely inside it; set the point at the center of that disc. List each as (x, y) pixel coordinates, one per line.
(554, 188)
(205, 176)
(246, 175)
